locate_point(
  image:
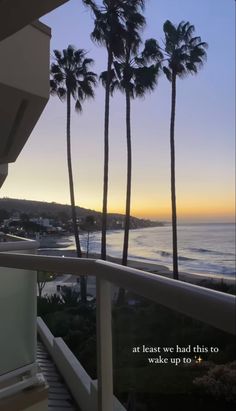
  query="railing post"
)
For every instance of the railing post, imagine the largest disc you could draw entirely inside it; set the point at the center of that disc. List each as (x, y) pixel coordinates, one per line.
(104, 346)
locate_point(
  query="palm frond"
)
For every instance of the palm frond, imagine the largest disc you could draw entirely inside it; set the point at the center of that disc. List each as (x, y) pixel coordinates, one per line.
(53, 87)
(71, 73)
(168, 73)
(104, 77)
(78, 106)
(118, 69)
(188, 30)
(57, 54)
(61, 92)
(55, 68)
(152, 51)
(86, 89)
(191, 67)
(170, 31)
(115, 85)
(145, 79)
(186, 52)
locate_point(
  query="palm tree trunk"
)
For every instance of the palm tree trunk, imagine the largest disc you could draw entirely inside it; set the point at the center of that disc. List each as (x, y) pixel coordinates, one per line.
(106, 157)
(121, 292)
(72, 196)
(128, 187)
(173, 193)
(87, 251)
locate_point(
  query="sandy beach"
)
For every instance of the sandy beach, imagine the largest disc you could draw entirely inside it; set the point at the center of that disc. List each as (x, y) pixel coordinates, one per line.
(70, 280)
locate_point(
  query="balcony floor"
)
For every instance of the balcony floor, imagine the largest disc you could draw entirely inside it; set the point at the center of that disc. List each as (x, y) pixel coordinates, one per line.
(59, 397)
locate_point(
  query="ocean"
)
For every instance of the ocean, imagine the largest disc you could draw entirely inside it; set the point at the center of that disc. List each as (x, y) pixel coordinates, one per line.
(202, 248)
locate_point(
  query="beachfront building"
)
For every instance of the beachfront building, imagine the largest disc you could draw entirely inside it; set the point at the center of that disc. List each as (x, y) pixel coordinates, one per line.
(33, 362)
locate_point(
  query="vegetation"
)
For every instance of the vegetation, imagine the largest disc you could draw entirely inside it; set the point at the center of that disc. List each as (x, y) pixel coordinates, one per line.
(115, 22)
(117, 27)
(182, 54)
(150, 324)
(89, 225)
(108, 32)
(61, 214)
(134, 77)
(43, 277)
(71, 77)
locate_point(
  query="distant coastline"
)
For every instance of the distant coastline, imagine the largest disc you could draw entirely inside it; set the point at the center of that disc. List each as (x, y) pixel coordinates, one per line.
(63, 211)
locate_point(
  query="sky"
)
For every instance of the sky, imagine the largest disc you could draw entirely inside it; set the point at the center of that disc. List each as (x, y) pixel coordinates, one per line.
(204, 134)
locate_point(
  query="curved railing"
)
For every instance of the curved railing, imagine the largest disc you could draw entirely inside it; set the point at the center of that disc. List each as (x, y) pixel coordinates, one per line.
(211, 307)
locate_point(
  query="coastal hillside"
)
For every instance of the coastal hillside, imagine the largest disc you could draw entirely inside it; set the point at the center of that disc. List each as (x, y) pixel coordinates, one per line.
(58, 211)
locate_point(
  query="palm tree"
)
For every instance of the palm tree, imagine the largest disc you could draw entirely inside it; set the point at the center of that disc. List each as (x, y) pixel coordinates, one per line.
(89, 224)
(71, 77)
(109, 31)
(184, 55)
(134, 77)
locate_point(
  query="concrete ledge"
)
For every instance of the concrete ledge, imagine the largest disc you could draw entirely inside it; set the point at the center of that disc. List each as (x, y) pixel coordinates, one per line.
(81, 385)
(74, 374)
(15, 244)
(45, 335)
(42, 27)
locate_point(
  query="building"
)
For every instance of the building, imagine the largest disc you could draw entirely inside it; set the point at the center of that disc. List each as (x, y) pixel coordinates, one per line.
(24, 92)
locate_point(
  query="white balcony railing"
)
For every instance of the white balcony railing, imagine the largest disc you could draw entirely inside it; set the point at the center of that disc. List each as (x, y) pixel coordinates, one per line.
(211, 307)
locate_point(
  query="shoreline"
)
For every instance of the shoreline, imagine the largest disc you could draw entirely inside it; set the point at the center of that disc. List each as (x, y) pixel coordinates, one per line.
(194, 278)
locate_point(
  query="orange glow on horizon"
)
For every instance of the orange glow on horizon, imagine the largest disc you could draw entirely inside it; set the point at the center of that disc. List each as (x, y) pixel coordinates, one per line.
(216, 212)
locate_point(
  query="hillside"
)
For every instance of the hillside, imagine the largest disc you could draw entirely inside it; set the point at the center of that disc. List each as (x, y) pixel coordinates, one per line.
(62, 211)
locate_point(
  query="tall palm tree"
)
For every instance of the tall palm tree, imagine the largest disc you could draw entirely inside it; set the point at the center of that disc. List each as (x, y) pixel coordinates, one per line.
(184, 54)
(71, 78)
(109, 31)
(135, 81)
(134, 78)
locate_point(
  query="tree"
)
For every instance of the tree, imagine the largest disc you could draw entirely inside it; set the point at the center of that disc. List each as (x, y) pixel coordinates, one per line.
(184, 54)
(109, 30)
(4, 214)
(71, 77)
(24, 217)
(88, 226)
(42, 278)
(134, 77)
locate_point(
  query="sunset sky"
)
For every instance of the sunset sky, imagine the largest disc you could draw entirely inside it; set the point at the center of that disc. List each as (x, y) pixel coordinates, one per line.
(204, 126)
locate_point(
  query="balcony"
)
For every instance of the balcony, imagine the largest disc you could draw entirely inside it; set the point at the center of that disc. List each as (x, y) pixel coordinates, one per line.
(24, 87)
(210, 307)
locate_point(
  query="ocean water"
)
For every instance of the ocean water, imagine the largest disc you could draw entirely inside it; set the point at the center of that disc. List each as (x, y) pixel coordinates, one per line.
(202, 248)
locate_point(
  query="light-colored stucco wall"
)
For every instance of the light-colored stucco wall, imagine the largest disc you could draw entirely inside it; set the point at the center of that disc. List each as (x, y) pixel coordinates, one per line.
(25, 65)
(24, 86)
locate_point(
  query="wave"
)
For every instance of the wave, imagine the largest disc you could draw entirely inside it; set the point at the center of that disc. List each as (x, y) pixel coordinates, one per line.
(168, 254)
(185, 258)
(205, 250)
